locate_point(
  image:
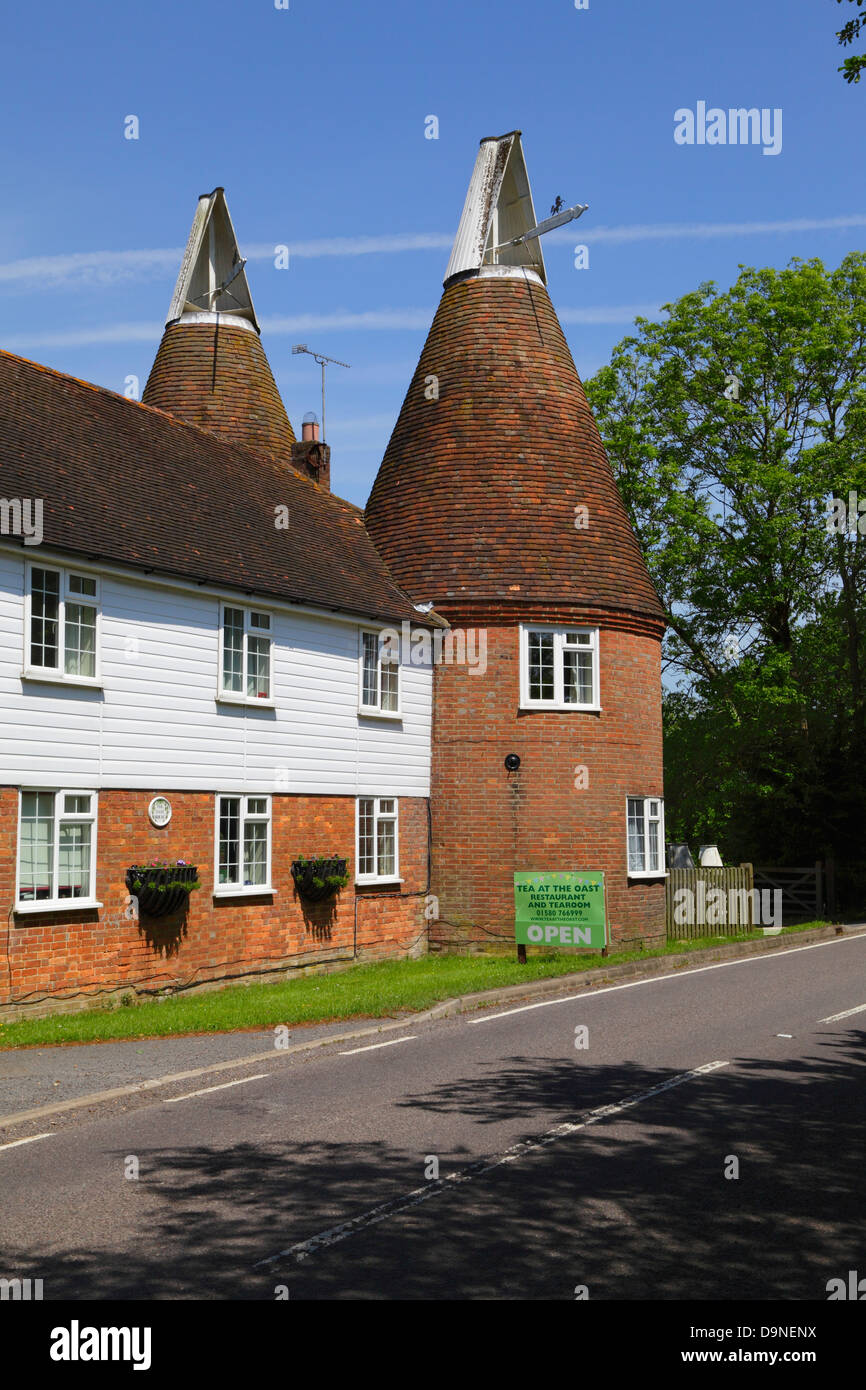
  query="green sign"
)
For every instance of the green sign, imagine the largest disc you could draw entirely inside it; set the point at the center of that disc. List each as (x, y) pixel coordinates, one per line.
(560, 909)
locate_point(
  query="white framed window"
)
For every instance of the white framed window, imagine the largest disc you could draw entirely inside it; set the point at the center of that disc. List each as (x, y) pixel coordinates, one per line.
(645, 834)
(377, 848)
(380, 673)
(62, 625)
(243, 845)
(246, 655)
(56, 850)
(559, 668)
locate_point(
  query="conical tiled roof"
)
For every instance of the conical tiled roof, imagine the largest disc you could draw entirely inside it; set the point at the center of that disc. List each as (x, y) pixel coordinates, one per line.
(474, 506)
(217, 376)
(211, 369)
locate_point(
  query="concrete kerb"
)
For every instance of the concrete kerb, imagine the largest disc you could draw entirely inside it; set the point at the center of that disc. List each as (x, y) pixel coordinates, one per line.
(532, 990)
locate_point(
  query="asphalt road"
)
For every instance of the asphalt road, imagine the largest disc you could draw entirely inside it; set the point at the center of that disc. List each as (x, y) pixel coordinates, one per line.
(559, 1166)
(36, 1076)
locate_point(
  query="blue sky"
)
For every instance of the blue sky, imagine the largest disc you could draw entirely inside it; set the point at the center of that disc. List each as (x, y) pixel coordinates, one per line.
(313, 120)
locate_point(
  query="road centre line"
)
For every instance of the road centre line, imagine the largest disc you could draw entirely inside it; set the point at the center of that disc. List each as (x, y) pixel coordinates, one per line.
(173, 1100)
(371, 1047)
(657, 979)
(31, 1140)
(833, 1018)
(475, 1170)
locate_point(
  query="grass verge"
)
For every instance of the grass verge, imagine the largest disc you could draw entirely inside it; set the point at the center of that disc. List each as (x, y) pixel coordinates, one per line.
(362, 991)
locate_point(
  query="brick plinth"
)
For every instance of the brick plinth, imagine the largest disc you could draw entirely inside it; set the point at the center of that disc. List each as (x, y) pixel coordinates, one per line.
(65, 960)
(488, 822)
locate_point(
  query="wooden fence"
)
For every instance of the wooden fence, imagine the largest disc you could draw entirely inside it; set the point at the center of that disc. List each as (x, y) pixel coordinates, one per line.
(808, 894)
(694, 909)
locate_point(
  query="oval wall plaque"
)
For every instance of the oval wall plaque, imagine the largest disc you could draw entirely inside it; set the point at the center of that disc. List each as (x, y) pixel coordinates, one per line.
(159, 811)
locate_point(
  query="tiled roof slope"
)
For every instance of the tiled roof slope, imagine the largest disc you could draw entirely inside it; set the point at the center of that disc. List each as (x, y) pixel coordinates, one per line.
(217, 376)
(475, 498)
(129, 484)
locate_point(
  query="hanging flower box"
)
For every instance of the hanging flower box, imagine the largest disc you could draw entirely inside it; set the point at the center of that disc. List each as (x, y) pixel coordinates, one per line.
(317, 879)
(162, 888)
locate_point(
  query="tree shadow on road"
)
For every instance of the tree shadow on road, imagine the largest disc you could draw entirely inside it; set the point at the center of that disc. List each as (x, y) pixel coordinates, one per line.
(634, 1206)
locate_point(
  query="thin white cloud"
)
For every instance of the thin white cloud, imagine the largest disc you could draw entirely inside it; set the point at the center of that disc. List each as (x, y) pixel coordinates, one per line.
(409, 319)
(672, 231)
(84, 269)
(609, 313)
(84, 337)
(353, 245)
(374, 320)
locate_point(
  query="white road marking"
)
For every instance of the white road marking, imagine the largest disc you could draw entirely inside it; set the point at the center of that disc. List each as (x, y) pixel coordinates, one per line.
(847, 1014)
(475, 1170)
(224, 1087)
(31, 1140)
(657, 979)
(372, 1046)
(784, 1035)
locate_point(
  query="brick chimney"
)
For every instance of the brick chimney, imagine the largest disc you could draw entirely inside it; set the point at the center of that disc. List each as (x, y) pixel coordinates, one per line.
(310, 455)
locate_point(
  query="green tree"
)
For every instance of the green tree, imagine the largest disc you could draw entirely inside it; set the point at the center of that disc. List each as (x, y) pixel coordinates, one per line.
(730, 425)
(853, 66)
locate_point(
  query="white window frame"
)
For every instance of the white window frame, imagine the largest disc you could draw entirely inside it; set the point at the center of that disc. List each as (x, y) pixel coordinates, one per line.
(247, 890)
(56, 904)
(661, 871)
(558, 702)
(377, 814)
(57, 673)
(240, 697)
(376, 711)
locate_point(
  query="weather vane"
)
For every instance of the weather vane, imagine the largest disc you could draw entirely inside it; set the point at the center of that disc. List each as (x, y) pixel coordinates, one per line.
(559, 220)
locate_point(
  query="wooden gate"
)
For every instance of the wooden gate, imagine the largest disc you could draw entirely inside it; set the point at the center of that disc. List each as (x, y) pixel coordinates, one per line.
(803, 890)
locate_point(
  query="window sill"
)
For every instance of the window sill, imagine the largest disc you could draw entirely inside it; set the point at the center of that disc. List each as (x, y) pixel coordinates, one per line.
(368, 712)
(57, 678)
(257, 891)
(649, 873)
(376, 882)
(224, 697)
(58, 905)
(538, 708)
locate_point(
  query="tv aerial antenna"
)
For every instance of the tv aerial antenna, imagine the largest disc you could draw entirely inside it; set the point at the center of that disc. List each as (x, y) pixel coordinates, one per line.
(322, 360)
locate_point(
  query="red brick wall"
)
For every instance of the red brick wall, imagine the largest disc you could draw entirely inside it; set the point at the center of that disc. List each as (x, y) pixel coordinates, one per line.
(488, 822)
(74, 957)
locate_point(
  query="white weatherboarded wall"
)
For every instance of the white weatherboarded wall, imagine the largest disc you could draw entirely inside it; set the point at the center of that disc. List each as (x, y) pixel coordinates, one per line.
(156, 722)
